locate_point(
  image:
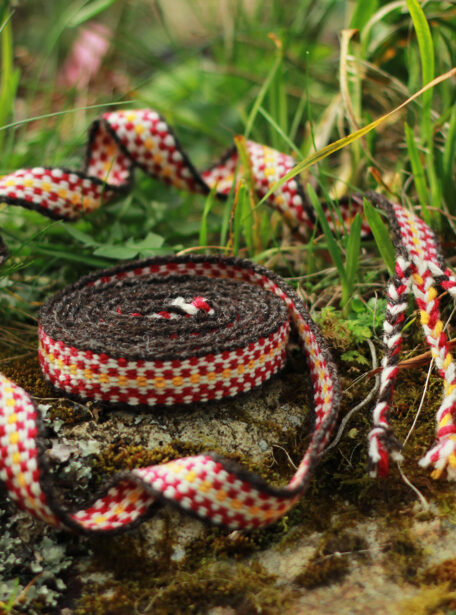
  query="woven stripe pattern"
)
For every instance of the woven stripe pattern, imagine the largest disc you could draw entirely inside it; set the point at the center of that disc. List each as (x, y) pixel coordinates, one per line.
(122, 140)
(153, 357)
(180, 330)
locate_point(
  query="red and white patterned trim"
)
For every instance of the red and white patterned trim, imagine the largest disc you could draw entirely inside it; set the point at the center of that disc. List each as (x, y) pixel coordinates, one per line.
(123, 140)
(89, 375)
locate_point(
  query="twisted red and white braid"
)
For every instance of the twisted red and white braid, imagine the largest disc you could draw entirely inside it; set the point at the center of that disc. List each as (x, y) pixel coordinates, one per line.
(422, 268)
(381, 440)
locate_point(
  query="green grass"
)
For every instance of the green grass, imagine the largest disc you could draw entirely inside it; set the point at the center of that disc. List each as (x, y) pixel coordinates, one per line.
(311, 79)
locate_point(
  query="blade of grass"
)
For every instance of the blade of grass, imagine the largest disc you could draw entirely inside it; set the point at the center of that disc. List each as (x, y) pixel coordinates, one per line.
(448, 158)
(45, 116)
(246, 166)
(89, 12)
(419, 176)
(297, 119)
(353, 252)
(381, 235)
(278, 99)
(277, 128)
(264, 88)
(351, 87)
(246, 223)
(375, 19)
(65, 255)
(225, 227)
(364, 10)
(242, 205)
(208, 205)
(333, 247)
(427, 59)
(310, 259)
(9, 76)
(426, 47)
(346, 36)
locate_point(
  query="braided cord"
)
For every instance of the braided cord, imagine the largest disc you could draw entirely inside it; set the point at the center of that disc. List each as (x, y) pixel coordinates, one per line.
(381, 440)
(419, 266)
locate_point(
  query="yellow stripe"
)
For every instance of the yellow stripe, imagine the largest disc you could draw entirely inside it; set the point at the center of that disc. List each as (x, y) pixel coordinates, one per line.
(438, 328)
(424, 317)
(447, 361)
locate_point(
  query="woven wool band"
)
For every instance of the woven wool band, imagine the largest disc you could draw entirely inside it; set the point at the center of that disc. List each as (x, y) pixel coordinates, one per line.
(184, 329)
(165, 332)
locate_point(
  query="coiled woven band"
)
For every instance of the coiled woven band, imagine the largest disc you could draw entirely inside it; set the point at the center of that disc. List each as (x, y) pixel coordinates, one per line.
(159, 332)
(165, 332)
(175, 330)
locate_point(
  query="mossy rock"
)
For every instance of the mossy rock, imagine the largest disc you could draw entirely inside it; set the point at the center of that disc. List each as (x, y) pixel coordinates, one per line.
(346, 545)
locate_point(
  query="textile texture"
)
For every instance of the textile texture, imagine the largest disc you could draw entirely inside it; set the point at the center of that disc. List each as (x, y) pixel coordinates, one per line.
(179, 330)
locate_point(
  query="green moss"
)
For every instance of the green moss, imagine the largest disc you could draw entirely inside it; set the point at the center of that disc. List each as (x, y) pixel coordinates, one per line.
(323, 571)
(123, 456)
(26, 373)
(248, 589)
(404, 556)
(445, 572)
(335, 330)
(220, 543)
(70, 413)
(331, 560)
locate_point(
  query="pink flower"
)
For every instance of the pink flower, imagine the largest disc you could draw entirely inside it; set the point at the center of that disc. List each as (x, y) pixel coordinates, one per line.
(86, 55)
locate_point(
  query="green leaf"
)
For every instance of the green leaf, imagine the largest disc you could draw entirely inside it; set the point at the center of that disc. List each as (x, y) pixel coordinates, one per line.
(116, 252)
(381, 236)
(360, 331)
(152, 241)
(333, 247)
(82, 237)
(353, 252)
(185, 228)
(354, 356)
(89, 12)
